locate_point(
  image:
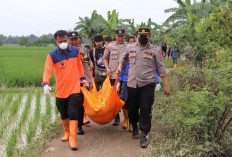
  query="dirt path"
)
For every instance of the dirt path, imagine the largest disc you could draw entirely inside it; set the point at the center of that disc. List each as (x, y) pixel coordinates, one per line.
(98, 141)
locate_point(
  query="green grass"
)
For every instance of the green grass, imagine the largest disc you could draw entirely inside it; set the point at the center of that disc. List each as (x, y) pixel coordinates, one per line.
(168, 63)
(23, 66)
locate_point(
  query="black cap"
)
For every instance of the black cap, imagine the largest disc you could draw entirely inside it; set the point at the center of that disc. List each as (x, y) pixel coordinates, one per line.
(119, 31)
(73, 34)
(144, 31)
(108, 38)
(98, 38)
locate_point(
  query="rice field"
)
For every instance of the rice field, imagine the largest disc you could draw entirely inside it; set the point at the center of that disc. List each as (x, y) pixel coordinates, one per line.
(23, 66)
(27, 118)
(25, 115)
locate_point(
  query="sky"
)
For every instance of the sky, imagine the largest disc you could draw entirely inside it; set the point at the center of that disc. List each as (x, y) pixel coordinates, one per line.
(25, 17)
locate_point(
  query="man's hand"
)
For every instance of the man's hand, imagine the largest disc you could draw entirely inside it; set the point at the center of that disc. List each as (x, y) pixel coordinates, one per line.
(167, 90)
(108, 72)
(119, 69)
(85, 84)
(166, 86)
(47, 90)
(91, 65)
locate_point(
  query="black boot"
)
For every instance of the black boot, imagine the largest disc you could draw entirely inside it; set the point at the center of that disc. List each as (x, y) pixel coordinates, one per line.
(116, 120)
(135, 134)
(143, 140)
(80, 131)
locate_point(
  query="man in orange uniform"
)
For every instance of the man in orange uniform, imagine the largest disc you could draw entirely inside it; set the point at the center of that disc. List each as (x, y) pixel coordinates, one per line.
(68, 73)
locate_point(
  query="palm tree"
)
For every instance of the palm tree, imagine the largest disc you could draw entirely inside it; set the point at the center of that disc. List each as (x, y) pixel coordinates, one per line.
(86, 25)
(188, 12)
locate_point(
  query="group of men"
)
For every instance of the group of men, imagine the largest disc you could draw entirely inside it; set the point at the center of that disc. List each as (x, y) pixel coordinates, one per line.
(134, 62)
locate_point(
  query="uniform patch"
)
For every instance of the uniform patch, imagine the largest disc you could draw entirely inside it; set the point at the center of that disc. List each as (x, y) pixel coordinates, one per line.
(62, 65)
(132, 54)
(148, 53)
(148, 56)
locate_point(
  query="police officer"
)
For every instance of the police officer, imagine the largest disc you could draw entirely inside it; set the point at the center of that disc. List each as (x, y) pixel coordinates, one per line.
(112, 53)
(143, 58)
(87, 65)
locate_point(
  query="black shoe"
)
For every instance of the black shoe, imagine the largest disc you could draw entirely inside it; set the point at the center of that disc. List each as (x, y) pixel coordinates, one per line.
(116, 120)
(143, 140)
(135, 134)
(80, 131)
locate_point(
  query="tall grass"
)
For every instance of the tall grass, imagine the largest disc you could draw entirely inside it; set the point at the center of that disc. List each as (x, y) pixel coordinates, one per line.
(30, 61)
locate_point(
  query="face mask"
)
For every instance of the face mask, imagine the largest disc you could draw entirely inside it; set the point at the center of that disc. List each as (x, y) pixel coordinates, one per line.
(63, 45)
(143, 40)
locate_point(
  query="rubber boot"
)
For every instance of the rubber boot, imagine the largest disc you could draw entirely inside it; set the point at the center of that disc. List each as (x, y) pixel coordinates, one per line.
(135, 134)
(65, 123)
(130, 128)
(73, 133)
(116, 120)
(85, 121)
(125, 122)
(143, 140)
(174, 66)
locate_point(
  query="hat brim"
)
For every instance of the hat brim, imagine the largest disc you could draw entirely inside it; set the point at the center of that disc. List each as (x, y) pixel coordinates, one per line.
(143, 33)
(73, 37)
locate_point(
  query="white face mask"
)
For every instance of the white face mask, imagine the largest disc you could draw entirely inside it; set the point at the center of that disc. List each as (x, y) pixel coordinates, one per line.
(63, 45)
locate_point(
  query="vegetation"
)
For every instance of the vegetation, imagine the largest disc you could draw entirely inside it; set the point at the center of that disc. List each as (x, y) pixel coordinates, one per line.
(194, 121)
(16, 121)
(21, 66)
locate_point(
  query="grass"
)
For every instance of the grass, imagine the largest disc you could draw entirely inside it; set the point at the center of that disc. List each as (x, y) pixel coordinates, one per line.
(23, 66)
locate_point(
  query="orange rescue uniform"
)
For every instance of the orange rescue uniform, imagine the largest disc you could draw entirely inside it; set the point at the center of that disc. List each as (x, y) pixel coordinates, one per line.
(68, 71)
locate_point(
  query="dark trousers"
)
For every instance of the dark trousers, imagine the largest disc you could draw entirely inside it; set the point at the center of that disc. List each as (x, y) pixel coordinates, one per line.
(81, 112)
(141, 98)
(123, 93)
(112, 81)
(98, 84)
(70, 107)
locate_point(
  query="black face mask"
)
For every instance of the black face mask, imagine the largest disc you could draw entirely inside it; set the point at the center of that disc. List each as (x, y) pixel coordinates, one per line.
(143, 40)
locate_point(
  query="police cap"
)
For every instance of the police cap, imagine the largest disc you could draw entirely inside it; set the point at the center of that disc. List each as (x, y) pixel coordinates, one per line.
(119, 31)
(144, 31)
(73, 34)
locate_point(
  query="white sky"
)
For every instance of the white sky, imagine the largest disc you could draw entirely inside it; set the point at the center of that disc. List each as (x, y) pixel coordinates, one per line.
(25, 17)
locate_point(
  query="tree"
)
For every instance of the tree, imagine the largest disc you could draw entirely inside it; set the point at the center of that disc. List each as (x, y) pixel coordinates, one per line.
(87, 26)
(1, 42)
(23, 41)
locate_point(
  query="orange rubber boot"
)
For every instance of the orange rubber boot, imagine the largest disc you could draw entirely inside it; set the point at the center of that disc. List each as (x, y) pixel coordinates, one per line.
(125, 122)
(85, 121)
(65, 123)
(130, 128)
(73, 133)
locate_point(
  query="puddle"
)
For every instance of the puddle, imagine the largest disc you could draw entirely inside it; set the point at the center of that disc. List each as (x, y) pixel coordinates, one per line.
(42, 105)
(53, 114)
(2, 150)
(33, 106)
